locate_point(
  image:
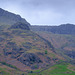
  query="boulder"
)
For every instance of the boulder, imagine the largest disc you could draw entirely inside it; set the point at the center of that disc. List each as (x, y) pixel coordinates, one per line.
(29, 59)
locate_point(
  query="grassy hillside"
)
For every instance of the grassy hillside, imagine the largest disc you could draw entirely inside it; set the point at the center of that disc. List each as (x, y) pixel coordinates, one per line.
(24, 52)
(27, 53)
(59, 69)
(25, 49)
(64, 44)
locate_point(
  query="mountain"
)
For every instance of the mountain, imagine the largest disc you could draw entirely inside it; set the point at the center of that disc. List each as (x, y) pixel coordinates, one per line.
(22, 48)
(24, 52)
(20, 25)
(8, 18)
(61, 37)
(62, 43)
(25, 49)
(62, 29)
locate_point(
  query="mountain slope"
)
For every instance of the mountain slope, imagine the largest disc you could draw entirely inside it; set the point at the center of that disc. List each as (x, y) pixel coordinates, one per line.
(61, 37)
(23, 52)
(62, 29)
(64, 44)
(8, 18)
(25, 49)
(21, 47)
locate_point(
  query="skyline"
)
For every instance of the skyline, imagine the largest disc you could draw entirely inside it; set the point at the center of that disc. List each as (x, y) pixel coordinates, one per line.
(42, 12)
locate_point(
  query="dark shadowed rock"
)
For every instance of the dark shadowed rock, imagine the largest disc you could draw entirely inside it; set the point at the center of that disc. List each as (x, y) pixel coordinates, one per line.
(29, 59)
(11, 43)
(62, 29)
(35, 66)
(1, 39)
(32, 57)
(20, 25)
(70, 54)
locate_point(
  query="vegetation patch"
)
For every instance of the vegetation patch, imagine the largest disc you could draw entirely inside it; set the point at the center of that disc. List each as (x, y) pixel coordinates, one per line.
(9, 65)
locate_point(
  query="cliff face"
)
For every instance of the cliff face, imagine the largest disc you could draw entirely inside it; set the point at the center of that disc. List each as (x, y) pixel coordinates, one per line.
(62, 29)
(20, 25)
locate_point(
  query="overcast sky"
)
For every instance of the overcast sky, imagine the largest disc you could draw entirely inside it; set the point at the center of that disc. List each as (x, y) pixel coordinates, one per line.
(42, 12)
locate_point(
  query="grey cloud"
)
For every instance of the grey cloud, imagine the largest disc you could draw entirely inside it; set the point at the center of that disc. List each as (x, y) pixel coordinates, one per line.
(42, 11)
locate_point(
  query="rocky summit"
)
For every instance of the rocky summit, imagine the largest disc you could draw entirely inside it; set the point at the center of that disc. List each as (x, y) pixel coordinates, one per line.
(8, 18)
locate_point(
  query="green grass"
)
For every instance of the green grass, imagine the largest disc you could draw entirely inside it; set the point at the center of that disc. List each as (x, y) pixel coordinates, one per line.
(37, 70)
(59, 69)
(9, 65)
(3, 71)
